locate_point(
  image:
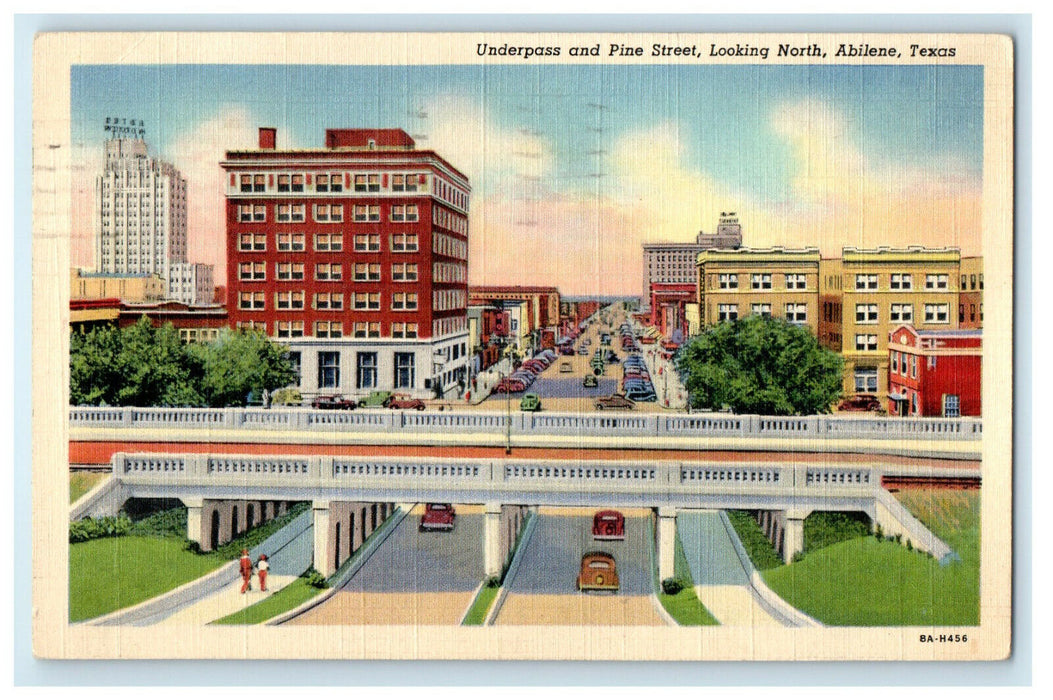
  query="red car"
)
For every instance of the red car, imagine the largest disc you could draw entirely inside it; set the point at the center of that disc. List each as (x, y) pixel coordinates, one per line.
(509, 386)
(614, 401)
(334, 402)
(860, 402)
(608, 525)
(438, 516)
(405, 403)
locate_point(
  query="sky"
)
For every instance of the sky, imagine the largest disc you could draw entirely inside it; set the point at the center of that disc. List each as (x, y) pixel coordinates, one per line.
(573, 167)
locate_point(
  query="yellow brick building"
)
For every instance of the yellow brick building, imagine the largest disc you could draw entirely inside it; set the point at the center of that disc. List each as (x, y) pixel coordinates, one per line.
(773, 282)
(130, 288)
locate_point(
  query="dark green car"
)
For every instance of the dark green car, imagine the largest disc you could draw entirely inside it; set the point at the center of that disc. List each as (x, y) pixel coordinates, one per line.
(376, 399)
(590, 380)
(530, 402)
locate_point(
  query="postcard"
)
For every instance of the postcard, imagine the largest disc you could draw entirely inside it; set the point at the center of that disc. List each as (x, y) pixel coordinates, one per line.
(522, 346)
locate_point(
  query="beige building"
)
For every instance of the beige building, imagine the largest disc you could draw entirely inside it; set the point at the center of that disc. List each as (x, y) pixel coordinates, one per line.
(884, 288)
(130, 288)
(773, 282)
(971, 295)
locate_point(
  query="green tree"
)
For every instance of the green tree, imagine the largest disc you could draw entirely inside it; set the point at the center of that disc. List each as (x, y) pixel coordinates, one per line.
(760, 365)
(240, 362)
(92, 366)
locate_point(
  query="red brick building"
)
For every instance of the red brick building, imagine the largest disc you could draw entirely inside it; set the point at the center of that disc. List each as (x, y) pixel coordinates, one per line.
(934, 373)
(668, 304)
(356, 256)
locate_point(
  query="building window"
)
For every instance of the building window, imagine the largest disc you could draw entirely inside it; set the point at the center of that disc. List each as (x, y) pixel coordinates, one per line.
(866, 342)
(403, 330)
(328, 370)
(403, 183)
(367, 183)
(903, 313)
(866, 313)
(246, 183)
(761, 310)
(404, 212)
(366, 301)
(367, 242)
(291, 242)
(329, 301)
(290, 271)
(367, 272)
(894, 363)
(797, 313)
(961, 313)
(913, 366)
(795, 281)
(404, 243)
(404, 272)
(936, 313)
(252, 271)
(252, 212)
(329, 272)
(294, 360)
(367, 212)
(727, 312)
(291, 329)
(401, 301)
(287, 301)
(252, 242)
(251, 300)
(405, 370)
(952, 406)
(761, 280)
(901, 281)
(328, 213)
(964, 286)
(981, 280)
(972, 313)
(935, 281)
(366, 370)
(292, 213)
(729, 281)
(328, 182)
(328, 329)
(866, 380)
(329, 242)
(866, 282)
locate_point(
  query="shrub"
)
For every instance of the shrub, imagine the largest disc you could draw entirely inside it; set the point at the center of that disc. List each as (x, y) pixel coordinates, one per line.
(910, 546)
(315, 579)
(672, 586)
(798, 556)
(493, 582)
(95, 528)
(879, 532)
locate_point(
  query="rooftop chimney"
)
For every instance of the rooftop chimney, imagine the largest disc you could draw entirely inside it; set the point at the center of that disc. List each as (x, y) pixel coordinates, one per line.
(268, 136)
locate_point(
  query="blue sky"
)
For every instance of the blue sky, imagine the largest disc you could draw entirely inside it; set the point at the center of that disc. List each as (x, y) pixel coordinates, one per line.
(555, 130)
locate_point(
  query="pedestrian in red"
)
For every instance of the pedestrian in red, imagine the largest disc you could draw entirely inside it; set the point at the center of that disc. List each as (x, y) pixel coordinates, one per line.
(246, 571)
(261, 570)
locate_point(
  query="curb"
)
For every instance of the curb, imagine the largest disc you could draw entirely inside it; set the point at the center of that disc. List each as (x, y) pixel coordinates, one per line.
(353, 564)
(655, 601)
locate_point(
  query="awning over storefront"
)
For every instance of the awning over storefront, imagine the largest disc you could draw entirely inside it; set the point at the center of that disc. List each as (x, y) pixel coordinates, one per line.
(898, 397)
(653, 332)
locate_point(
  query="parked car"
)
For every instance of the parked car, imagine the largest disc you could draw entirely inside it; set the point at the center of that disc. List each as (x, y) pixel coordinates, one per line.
(608, 525)
(598, 572)
(643, 394)
(590, 380)
(860, 402)
(438, 516)
(334, 402)
(405, 403)
(565, 367)
(509, 385)
(376, 398)
(615, 402)
(530, 402)
(583, 350)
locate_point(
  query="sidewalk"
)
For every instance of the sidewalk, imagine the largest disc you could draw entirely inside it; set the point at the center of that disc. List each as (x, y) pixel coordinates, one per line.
(228, 601)
(488, 379)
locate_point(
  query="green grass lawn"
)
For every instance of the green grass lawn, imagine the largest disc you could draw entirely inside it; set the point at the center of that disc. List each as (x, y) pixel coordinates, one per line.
(866, 582)
(116, 572)
(82, 482)
(296, 593)
(481, 605)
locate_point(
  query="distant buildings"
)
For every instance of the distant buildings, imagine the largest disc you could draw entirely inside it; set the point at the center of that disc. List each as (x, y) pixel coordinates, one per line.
(674, 263)
(354, 255)
(140, 220)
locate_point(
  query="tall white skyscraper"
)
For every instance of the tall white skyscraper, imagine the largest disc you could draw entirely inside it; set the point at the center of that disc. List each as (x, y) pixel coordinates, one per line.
(141, 220)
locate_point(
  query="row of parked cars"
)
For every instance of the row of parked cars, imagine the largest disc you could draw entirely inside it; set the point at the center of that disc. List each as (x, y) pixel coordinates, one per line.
(636, 380)
(525, 375)
(376, 399)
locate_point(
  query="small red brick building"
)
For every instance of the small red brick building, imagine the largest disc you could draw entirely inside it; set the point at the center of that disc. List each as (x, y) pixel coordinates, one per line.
(934, 372)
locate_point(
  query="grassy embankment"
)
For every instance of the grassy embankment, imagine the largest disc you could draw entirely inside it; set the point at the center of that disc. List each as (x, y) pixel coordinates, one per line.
(117, 572)
(82, 482)
(684, 606)
(847, 578)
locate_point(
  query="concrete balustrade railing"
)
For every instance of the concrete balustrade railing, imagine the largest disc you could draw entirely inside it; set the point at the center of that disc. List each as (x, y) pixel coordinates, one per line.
(558, 424)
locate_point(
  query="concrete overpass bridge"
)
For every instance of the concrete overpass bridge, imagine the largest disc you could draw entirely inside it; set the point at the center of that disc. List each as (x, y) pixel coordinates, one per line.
(340, 486)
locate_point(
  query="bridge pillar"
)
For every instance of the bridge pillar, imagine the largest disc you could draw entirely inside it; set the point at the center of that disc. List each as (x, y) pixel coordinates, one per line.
(666, 543)
(194, 531)
(793, 534)
(492, 560)
(323, 542)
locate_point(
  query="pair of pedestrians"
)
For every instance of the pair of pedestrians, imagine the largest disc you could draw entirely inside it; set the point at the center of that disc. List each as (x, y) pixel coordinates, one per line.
(246, 571)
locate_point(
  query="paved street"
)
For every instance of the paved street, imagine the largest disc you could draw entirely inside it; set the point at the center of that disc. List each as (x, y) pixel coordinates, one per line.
(544, 591)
